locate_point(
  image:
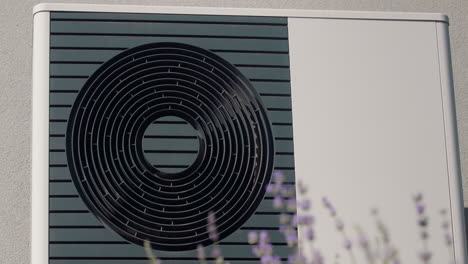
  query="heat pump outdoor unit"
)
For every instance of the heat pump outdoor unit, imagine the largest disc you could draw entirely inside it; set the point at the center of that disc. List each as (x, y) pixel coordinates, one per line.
(146, 119)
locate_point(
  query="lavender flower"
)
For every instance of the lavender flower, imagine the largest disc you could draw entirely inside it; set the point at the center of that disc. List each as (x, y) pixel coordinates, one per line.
(212, 230)
(347, 244)
(216, 252)
(291, 238)
(363, 241)
(317, 258)
(296, 259)
(284, 219)
(253, 238)
(301, 187)
(418, 197)
(201, 253)
(310, 234)
(291, 204)
(304, 204)
(339, 224)
(423, 222)
(278, 202)
(420, 208)
(264, 237)
(287, 192)
(270, 188)
(303, 220)
(425, 256)
(278, 176)
(267, 259)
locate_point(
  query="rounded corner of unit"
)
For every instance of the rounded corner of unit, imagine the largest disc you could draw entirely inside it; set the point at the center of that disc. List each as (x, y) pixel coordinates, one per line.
(41, 7)
(443, 18)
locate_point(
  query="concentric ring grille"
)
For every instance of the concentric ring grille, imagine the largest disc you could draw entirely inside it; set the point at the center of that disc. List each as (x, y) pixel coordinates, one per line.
(134, 198)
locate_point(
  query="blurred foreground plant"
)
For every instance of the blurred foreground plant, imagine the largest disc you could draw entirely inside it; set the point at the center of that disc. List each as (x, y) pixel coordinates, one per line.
(284, 197)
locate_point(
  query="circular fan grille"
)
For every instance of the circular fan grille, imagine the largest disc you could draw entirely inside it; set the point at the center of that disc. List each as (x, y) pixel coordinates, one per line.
(134, 198)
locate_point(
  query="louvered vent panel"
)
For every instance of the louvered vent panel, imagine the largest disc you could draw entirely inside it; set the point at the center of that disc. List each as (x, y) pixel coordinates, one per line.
(82, 42)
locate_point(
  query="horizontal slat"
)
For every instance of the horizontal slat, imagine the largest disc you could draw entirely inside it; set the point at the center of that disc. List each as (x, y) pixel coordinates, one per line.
(281, 133)
(64, 174)
(168, 159)
(87, 219)
(75, 203)
(140, 261)
(98, 57)
(179, 159)
(132, 250)
(207, 43)
(88, 69)
(282, 21)
(171, 143)
(169, 28)
(104, 235)
(74, 85)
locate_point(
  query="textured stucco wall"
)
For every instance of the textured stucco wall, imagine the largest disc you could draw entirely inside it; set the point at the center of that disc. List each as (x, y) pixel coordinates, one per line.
(15, 93)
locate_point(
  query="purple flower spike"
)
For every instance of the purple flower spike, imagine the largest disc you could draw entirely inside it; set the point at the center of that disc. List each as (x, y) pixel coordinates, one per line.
(363, 241)
(277, 202)
(270, 188)
(421, 208)
(287, 191)
(265, 249)
(326, 202)
(256, 251)
(332, 210)
(212, 230)
(297, 259)
(264, 237)
(278, 176)
(418, 197)
(424, 235)
(253, 238)
(310, 234)
(211, 218)
(304, 205)
(347, 244)
(317, 258)
(291, 239)
(425, 256)
(423, 221)
(302, 188)
(304, 220)
(276, 260)
(216, 252)
(201, 252)
(284, 219)
(339, 224)
(291, 204)
(266, 259)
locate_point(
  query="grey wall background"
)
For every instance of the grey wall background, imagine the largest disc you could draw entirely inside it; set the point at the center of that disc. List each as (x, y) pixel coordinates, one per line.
(15, 93)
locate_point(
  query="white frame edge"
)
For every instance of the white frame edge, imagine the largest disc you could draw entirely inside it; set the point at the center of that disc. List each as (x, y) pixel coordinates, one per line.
(46, 7)
(40, 140)
(451, 143)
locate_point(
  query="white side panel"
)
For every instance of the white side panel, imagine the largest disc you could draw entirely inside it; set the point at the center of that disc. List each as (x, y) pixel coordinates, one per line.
(40, 140)
(453, 159)
(369, 130)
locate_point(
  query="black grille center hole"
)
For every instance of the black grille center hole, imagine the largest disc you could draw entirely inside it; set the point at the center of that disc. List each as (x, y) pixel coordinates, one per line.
(171, 144)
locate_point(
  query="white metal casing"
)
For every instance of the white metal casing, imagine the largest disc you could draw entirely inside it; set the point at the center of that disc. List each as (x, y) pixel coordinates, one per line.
(373, 113)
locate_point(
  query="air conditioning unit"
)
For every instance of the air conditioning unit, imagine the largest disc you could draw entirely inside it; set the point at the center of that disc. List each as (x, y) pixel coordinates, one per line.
(145, 119)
